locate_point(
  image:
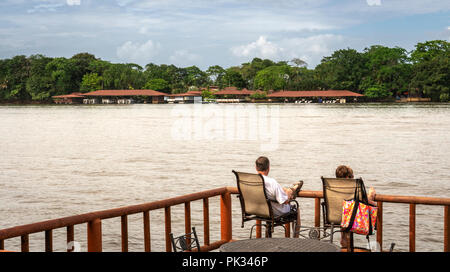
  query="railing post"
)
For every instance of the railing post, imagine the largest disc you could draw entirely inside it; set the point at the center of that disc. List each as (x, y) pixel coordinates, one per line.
(287, 232)
(258, 229)
(380, 224)
(412, 227)
(70, 238)
(206, 221)
(124, 231)
(48, 241)
(317, 212)
(147, 241)
(94, 233)
(187, 220)
(446, 228)
(24, 241)
(225, 217)
(168, 227)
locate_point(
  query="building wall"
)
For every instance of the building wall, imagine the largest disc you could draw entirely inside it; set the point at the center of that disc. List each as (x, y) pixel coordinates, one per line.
(157, 99)
(198, 99)
(68, 101)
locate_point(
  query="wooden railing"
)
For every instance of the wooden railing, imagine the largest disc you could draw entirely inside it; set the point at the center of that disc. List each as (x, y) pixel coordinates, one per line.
(94, 220)
(94, 223)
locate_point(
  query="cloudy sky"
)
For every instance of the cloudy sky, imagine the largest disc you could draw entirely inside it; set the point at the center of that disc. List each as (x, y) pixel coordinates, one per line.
(210, 32)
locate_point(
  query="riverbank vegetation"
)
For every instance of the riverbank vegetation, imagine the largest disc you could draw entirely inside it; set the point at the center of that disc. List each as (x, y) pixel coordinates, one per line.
(379, 72)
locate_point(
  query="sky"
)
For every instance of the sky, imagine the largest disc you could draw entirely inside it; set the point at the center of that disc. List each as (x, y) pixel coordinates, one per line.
(215, 32)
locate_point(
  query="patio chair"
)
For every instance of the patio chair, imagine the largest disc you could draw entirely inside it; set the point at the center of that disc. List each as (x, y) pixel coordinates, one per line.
(185, 242)
(256, 206)
(335, 191)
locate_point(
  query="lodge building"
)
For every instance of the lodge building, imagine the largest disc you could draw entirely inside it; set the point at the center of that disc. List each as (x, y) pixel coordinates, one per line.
(329, 96)
(227, 95)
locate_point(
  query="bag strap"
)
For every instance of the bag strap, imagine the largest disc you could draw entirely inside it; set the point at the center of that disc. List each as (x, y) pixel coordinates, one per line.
(365, 200)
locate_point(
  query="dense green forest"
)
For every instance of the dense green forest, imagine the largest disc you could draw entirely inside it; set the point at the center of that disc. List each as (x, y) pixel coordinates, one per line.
(379, 72)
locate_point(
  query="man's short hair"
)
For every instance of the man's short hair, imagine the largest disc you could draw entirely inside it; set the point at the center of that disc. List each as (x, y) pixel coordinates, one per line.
(343, 171)
(262, 164)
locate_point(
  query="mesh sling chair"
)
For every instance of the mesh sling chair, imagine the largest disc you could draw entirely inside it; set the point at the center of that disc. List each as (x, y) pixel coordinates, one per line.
(335, 191)
(185, 242)
(256, 206)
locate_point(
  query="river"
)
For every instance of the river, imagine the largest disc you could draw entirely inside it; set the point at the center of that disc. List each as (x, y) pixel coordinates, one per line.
(59, 161)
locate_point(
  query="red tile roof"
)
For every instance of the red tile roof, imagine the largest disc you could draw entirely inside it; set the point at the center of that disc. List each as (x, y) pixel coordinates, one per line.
(329, 93)
(190, 93)
(233, 91)
(125, 93)
(230, 88)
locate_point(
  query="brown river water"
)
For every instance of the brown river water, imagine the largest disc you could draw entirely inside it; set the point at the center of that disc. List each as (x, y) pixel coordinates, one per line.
(59, 161)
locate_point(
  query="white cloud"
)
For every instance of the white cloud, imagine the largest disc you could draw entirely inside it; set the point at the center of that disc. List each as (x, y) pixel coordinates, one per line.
(363, 9)
(45, 8)
(184, 58)
(310, 49)
(317, 44)
(313, 48)
(260, 48)
(137, 52)
(374, 2)
(123, 3)
(73, 2)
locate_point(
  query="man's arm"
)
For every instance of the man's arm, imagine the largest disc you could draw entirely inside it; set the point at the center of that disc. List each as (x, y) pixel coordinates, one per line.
(288, 191)
(282, 195)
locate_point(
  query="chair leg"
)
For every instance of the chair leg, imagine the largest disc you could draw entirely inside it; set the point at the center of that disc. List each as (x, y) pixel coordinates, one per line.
(268, 230)
(332, 233)
(297, 226)
(251, 229)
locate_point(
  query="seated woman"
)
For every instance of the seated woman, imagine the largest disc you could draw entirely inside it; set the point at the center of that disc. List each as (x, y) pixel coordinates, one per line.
(344, 171)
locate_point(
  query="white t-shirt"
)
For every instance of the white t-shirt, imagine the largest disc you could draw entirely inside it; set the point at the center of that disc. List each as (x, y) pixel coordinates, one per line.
(275, 192)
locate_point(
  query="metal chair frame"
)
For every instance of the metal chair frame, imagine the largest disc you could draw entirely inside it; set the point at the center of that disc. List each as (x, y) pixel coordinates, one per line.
(185, 242)
(335, 226)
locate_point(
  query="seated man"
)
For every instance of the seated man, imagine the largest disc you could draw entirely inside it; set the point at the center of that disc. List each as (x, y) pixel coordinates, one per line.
(279, 195)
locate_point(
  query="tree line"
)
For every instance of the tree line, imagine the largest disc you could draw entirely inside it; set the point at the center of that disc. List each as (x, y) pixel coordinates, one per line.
(379, 72)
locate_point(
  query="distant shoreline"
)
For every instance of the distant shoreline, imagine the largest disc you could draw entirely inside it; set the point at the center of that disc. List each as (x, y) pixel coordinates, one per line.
(21, 103)
(40, 103)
